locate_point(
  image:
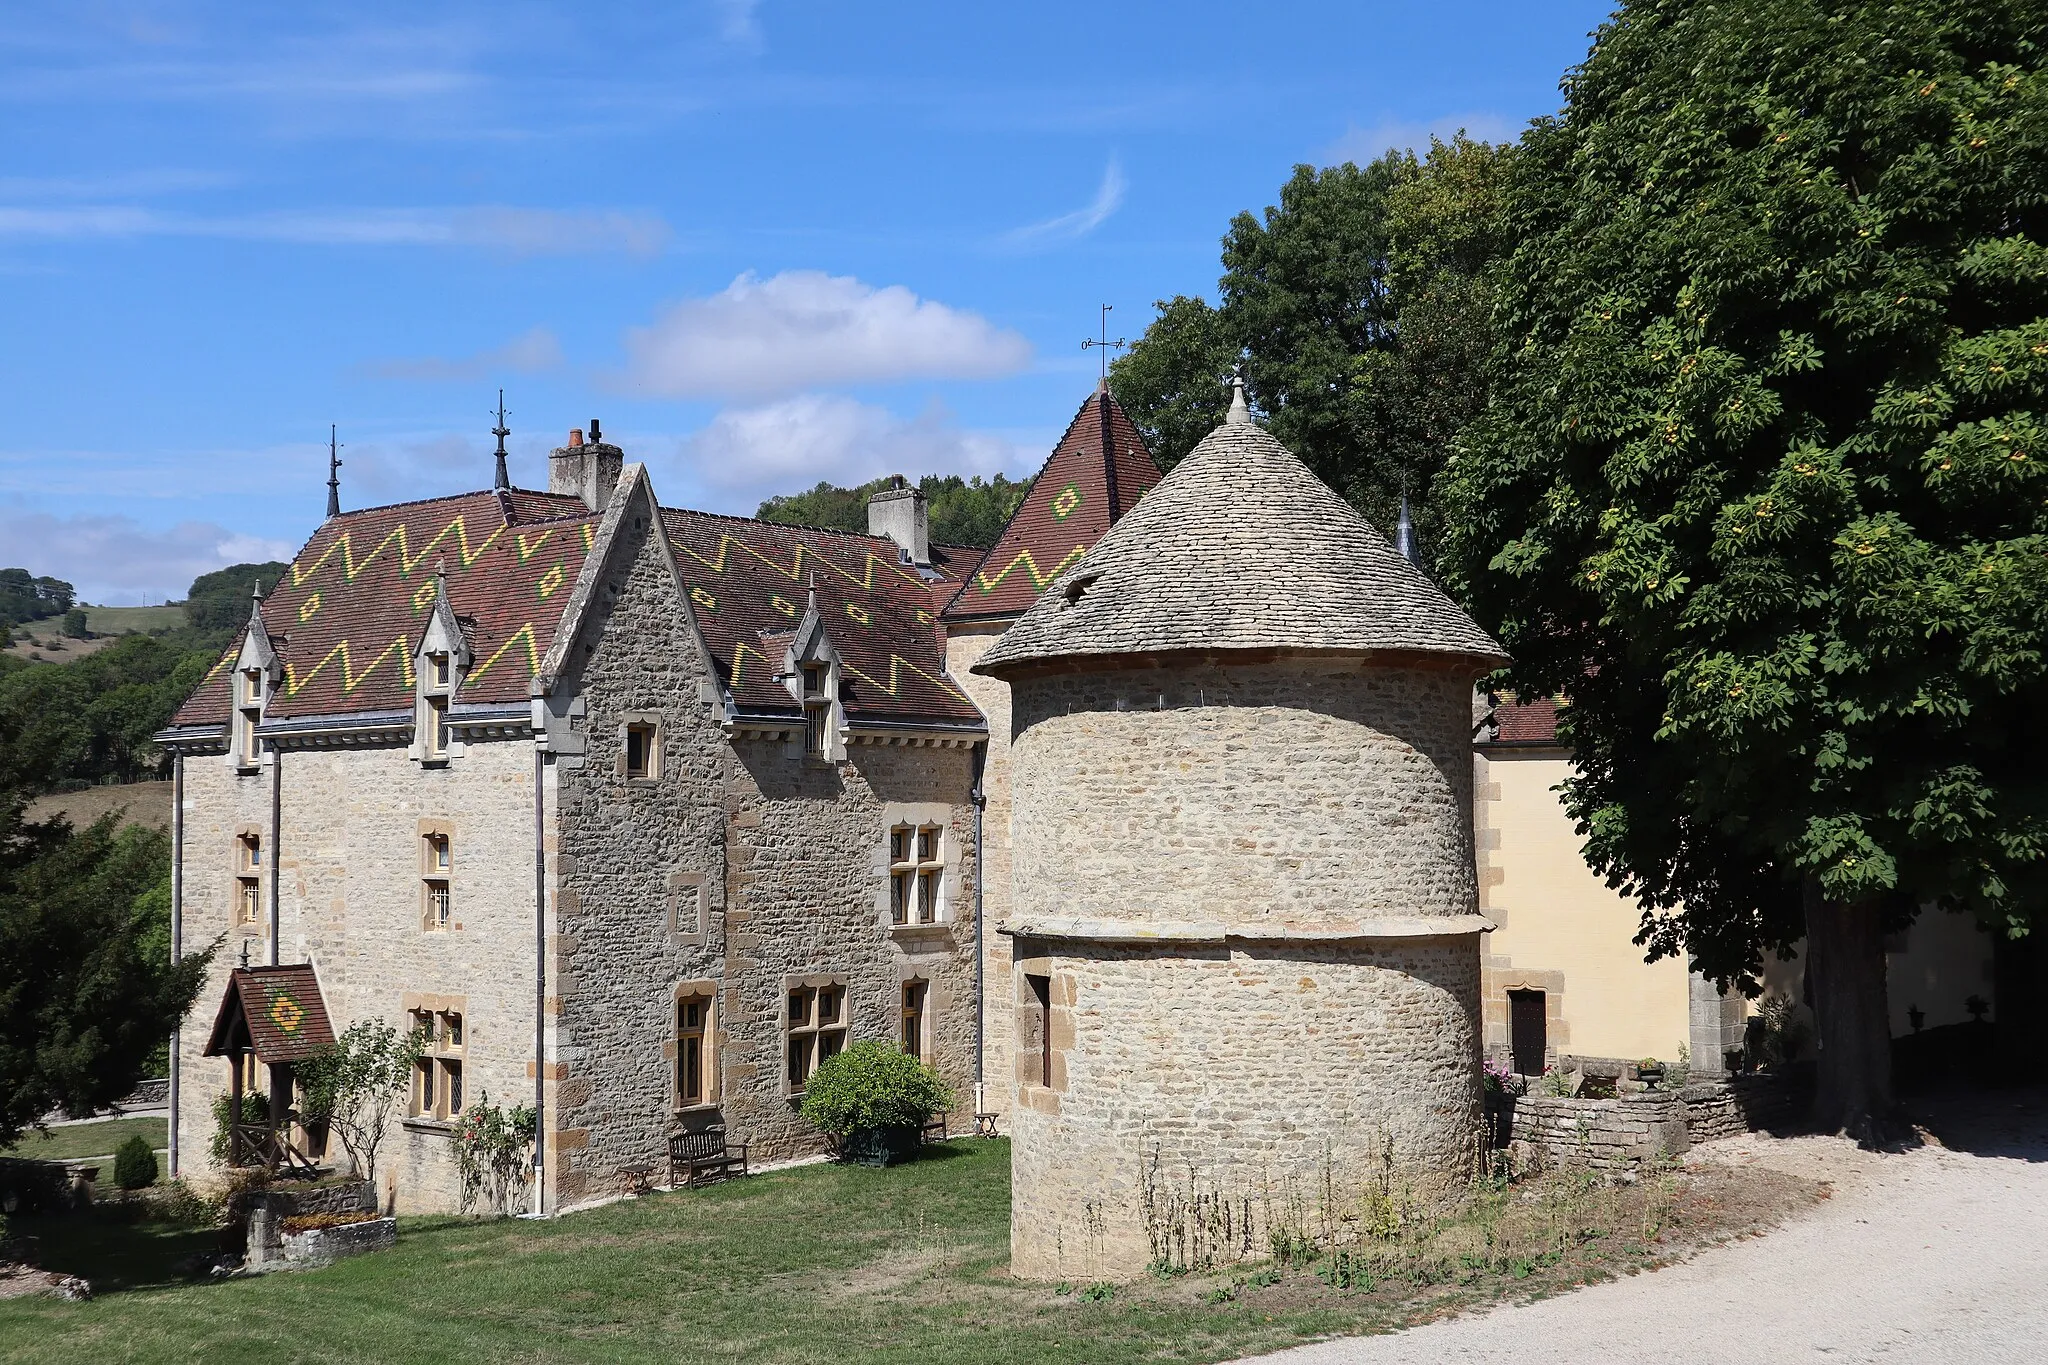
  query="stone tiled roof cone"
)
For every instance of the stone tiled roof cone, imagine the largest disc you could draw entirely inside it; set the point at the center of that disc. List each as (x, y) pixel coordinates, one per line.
(1240, 547)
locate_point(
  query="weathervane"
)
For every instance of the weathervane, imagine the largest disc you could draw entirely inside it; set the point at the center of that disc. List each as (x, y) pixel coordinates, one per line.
(501, 431)
(1105, 345)
(333, 472)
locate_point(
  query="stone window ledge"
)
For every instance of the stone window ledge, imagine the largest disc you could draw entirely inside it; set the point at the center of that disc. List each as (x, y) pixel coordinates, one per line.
(920, 930)
(685, 1110)
(420, 1125)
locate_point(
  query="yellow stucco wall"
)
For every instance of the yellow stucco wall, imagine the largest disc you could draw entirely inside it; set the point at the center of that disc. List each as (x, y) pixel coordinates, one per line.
(1561, 929)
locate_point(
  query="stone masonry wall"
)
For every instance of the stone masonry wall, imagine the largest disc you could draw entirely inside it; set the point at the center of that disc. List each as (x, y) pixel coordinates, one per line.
(1301, 791)
(965, 645)
(639, 875)
(351, 904)
(807, 895)
(1271, 1079)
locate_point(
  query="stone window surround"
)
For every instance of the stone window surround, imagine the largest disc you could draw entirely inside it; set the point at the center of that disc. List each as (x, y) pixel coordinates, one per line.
(811, 981)
(244, 876)
(1032, 1092)
(429, 875)
(671, 1048)
(652, 720)
(424, 690)
(908, 976)
(913, 814)
(415, 1002)
(689, 903)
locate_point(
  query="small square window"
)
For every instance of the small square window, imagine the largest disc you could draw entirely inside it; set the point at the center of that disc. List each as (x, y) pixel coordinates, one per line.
(437, 666)
(251, 852)
(439, 853)
(439, 904)
(248, 901)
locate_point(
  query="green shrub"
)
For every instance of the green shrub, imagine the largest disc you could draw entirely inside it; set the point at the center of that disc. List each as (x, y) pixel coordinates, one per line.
(135, 1164)
(873, 1085)
(255, 1109)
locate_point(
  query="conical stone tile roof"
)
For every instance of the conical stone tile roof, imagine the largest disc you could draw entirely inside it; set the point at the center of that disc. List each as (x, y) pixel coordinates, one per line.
(1240, 547)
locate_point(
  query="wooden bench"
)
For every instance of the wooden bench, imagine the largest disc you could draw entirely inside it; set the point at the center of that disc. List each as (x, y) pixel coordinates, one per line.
(704, 1158)
(934, 1129)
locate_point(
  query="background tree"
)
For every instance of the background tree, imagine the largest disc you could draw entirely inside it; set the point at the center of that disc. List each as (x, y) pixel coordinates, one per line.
(88, 993)
(1761, 487)
(218, 602)
(1358, 310)
(963, 511)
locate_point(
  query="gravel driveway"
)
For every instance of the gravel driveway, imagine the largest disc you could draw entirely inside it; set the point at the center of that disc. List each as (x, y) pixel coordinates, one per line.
(1934, 1254)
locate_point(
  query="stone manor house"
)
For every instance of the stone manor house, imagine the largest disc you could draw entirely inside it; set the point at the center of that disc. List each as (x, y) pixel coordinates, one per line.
(642, 810)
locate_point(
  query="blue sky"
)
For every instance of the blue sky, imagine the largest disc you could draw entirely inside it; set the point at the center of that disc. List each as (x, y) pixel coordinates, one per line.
(766, 242)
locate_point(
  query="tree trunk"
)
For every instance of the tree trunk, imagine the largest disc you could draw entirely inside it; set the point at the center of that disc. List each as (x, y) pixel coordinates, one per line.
(1845, 954)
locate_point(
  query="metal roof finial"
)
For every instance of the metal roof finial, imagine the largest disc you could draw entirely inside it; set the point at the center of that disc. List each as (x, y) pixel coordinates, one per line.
(501, 431)
(333, 472)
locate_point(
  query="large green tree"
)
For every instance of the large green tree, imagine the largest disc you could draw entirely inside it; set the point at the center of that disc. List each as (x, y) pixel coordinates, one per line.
(1761, 487)
(1358, 310)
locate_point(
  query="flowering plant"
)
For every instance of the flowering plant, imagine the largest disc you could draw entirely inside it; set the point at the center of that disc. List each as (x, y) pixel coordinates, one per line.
(1500, 1080)
(491, 1146)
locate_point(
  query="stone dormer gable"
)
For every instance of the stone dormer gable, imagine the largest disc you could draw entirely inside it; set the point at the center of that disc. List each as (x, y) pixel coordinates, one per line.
(443, 637)
(1241, 547)
(258, 651)
(811, 671)
(1095, 475)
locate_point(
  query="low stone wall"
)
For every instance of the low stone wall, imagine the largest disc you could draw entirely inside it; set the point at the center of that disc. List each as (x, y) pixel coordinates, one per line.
(147, 1095)
(1618, 1134)
(322, 1246)
(269, 1246)
(1741, 1104)
(1602, 1135)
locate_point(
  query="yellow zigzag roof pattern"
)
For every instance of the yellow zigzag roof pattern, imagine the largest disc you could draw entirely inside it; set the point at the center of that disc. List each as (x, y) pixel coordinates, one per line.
(897, 663)
(795, 572)
(524, 633)
(408, 560)
(350, 678)
(1030, 563)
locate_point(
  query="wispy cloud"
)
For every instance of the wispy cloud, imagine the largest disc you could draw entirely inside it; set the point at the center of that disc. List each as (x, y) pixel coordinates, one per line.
(1068, 227)
(113, 184)
(1368, 144)
(534, 351)
(802, 329)
(746, 454)
(738, 22)
(116, 560)
(518, 231)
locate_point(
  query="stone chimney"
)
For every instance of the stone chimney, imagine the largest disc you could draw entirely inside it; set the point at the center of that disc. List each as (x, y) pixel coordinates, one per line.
(899, 513)
(586, 469)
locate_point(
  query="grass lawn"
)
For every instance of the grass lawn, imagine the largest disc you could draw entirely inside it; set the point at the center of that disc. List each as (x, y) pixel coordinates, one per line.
(818, 1264)
(128, 620)
(89, 1139)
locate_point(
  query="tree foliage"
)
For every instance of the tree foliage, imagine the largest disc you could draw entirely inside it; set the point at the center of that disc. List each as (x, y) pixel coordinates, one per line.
(218, 602)
(88, 992)
(873, 1085)
(25, 597)
(1357, 310)
(356, 1084)
(963, 511)
(1761, 488)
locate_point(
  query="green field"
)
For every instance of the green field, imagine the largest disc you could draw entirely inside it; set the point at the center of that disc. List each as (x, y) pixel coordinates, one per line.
(133, 620)
(88, 1139)
(821, 1263)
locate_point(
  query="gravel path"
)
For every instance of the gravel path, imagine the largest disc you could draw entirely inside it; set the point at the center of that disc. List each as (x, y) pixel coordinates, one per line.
(1938, 1254)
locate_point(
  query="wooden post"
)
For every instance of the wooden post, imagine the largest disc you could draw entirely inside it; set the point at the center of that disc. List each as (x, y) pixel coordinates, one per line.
(235, 1108)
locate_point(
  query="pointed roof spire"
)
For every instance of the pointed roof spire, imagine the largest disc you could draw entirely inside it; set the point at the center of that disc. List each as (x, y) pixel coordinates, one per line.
(501, 431)
(1240, 411)
(256, 599)
(333, 472)
(1404, 536)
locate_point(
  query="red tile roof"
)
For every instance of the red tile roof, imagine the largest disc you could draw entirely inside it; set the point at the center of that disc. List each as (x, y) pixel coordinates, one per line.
(346, 620)
(282, 1014)
(1095, 475)
(747, 582)
(1532, 722)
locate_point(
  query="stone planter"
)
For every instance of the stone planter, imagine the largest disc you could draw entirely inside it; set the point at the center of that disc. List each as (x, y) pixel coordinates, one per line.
(323, 1246)
(879, 1146)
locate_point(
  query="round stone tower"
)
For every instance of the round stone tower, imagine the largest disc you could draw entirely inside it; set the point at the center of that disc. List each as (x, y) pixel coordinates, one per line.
(1245, 938)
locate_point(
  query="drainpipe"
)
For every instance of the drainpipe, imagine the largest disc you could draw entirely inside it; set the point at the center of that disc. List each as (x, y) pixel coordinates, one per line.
(540, 959)
(980, 799)
(276, 840)
(177, 925)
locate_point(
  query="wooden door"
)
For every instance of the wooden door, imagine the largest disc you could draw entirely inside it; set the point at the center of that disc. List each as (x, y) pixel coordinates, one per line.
(1527, 1031)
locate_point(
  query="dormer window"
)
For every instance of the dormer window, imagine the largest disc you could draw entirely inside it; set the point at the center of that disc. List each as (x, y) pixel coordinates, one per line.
(434, 728)
(817, 711)
(252, 687)
(248, 715)
(437, 670)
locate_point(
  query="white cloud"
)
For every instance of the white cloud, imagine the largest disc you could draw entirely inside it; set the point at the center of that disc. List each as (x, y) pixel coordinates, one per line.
(114, 560)
(531, 352)
(1068, 227)
(738, 22)
(802, 329)
(750, 453)
(1365, 145)
(521, 232)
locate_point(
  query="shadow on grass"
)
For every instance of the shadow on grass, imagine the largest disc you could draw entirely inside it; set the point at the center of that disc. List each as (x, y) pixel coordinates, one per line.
(116, 1253)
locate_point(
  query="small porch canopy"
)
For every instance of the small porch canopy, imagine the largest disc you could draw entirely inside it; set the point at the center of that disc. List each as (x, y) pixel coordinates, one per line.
(278, 1016)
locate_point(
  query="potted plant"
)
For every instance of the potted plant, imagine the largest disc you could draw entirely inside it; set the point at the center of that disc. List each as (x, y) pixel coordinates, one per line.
(872, 1101)
(1649, 1071)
